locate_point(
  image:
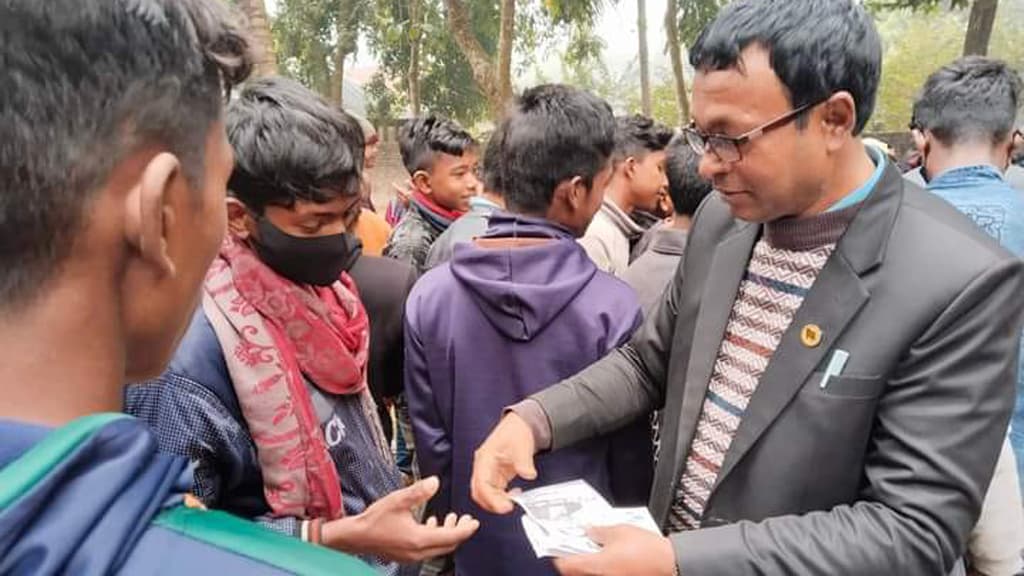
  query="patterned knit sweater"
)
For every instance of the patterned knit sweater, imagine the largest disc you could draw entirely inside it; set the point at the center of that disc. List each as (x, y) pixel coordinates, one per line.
(783, 267)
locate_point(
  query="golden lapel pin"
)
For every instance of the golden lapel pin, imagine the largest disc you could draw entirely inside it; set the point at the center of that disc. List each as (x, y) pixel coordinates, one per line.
(810, 335)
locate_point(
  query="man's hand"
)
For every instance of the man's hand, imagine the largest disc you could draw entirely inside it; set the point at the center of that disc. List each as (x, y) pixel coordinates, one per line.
(388, 528)
(506, 454)
(625, 550)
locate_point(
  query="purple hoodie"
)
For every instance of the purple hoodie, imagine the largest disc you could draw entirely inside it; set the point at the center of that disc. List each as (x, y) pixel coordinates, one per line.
(488, 329)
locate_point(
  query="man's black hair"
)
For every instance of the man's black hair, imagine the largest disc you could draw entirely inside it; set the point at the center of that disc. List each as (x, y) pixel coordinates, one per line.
(85, 83)
(490, 165)
(291, 145)
(816, 48)
(971, 99)
(686, 187)
(638, 136)
(420, 140)
(553, 133)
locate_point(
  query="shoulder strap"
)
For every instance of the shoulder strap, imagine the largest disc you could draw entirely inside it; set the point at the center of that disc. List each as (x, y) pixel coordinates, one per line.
(251, 540)
(18, 477)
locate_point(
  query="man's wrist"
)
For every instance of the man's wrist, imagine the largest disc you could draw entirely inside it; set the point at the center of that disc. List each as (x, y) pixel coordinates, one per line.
(531, 412)
(342, 535)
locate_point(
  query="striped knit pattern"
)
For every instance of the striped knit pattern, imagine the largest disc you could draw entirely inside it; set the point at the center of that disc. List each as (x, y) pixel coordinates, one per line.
(772, 290)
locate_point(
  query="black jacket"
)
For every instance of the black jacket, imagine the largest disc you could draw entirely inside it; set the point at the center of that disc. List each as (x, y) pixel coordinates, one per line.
(384, 284)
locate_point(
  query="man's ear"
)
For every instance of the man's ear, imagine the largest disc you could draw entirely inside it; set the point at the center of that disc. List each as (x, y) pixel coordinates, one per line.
(629, 167)
(1015, 146)
(240, 221)
(838, 119)
(919, 140)
(148, 211)
(421, 182)
(571, 193)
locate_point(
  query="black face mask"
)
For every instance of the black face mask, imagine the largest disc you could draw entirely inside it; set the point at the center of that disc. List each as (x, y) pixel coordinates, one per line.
(318, 260)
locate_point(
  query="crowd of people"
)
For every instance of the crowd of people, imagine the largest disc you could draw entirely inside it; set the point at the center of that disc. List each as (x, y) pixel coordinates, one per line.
(219, 356)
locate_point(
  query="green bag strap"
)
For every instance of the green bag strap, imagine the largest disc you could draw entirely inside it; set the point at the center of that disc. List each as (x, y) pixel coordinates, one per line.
(218, 529)
(248, 539)
(18, 477)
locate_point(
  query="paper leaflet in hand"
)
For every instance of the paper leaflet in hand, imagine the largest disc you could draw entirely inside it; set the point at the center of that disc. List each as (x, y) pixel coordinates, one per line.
(556, 518)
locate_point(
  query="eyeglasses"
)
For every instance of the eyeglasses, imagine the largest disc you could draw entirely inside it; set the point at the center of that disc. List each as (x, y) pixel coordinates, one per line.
(727, 148)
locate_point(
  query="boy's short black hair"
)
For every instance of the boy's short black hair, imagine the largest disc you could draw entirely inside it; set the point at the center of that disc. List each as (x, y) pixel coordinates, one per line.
(686, 187)
(972, 98)
(420, 140)
(291, 145)
(816, 47)
(85, 83)
(553, 133)
(638, 136)
(490, 165)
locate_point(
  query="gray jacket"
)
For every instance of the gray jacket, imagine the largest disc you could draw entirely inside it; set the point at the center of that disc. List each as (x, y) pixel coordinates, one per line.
(882, 472)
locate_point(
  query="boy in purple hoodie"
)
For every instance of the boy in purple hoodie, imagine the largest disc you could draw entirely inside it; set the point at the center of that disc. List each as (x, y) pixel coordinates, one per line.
(516, 310)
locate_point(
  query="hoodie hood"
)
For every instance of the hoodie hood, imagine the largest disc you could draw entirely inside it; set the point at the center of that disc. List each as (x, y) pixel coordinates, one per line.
(77, 499)
(521, 290)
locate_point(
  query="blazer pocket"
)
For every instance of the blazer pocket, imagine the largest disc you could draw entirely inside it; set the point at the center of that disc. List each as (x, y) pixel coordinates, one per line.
(843, 386)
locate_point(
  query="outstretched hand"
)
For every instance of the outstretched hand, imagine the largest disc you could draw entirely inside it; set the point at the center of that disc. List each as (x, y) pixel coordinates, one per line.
(388, 528)
(625, 550)
(505, 455)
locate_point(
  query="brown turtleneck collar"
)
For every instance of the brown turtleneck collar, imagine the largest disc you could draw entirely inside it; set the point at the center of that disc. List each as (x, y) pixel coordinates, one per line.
(801, 234)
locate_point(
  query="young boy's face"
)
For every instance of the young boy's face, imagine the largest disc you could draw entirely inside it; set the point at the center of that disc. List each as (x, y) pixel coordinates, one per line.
(309, 219)
(452, 180)
(648, 181)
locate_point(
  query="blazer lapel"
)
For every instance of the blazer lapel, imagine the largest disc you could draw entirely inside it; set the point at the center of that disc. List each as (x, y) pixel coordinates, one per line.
(833, 301)
(831, 304)
(723, 282)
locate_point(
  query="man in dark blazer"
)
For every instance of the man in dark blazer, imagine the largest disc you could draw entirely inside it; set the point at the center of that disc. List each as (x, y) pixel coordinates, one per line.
(384, 285)
(836, 355)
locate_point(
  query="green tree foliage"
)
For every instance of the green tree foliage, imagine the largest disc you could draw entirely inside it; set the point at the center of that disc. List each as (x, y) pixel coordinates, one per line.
(311, 35)
(446, 79)
(977, 32)
(694, 15)
(918, 43)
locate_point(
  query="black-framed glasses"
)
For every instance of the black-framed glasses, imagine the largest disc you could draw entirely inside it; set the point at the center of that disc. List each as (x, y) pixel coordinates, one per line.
(727, 148)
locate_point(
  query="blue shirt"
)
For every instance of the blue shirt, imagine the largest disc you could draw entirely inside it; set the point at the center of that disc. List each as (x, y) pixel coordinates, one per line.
(981, 193)
(858, 195)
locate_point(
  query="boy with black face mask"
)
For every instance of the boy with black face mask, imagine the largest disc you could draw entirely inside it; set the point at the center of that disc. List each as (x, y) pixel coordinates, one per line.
(268, 394)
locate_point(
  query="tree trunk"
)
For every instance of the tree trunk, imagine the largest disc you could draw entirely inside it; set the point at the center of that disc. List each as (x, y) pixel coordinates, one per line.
(337, 95)
(346, 28)
(675, 52)
(979, 27)
(505, 40)
(415, 38)
(645, 72)
(260, 39)
(479, 60)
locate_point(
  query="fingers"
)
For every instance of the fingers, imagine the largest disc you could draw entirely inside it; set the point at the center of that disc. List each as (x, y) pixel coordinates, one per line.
(413, 496)
(439, 540)
(525, 469)
(487, 487)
